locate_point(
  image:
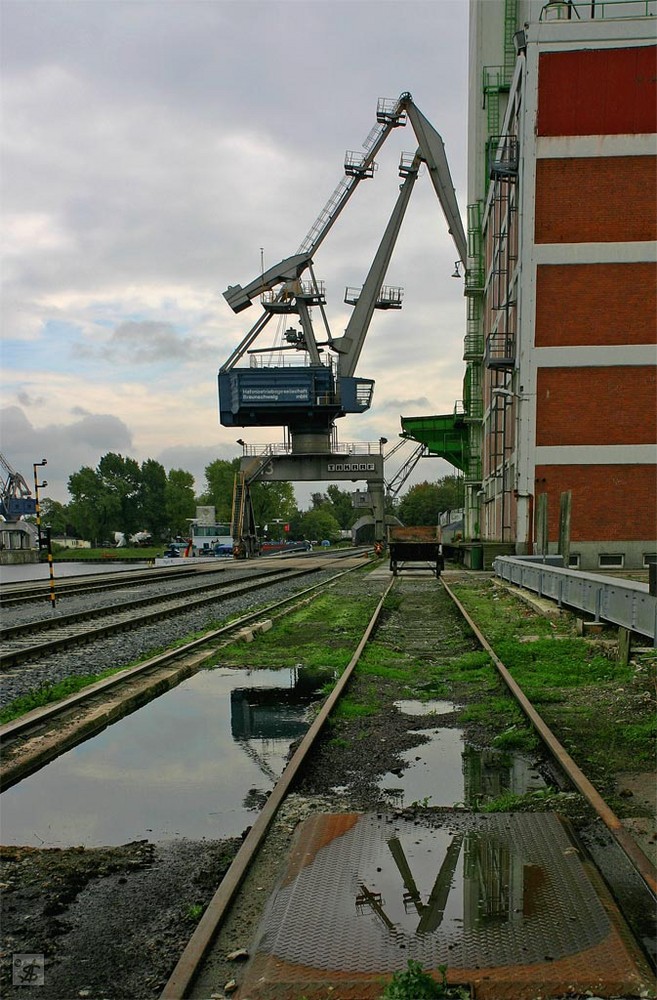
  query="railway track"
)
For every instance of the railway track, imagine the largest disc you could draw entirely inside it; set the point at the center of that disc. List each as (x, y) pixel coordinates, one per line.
(26, 593)
(28, 640)
(199, 959)
(25, 743)
(203, 955)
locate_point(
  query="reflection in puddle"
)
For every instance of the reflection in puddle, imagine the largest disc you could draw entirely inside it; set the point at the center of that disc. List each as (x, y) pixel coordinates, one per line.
(446, 772)
(433, 772)
(490, 773)
(468, 891)
(179, 767)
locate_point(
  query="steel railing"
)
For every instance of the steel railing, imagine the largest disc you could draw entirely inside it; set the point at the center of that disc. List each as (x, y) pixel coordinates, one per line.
(626, 603)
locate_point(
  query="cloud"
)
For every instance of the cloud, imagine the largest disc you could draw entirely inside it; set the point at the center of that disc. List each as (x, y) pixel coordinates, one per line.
(146, 342)
(66, 447)
(143, 172)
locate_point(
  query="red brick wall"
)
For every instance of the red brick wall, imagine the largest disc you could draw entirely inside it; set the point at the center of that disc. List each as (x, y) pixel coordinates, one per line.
(609, 502)
(605, 304)
(598, 92)
(596, 199)
(606, 406)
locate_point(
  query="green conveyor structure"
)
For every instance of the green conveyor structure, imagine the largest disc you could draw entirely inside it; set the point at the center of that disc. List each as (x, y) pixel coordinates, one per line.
(445, 435)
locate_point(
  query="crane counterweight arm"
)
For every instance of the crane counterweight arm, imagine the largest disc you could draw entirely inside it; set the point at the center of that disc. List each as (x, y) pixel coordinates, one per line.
(290, 269)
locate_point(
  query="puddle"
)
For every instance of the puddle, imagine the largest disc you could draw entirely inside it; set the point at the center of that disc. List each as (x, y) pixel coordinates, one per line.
(446, 772)
(434, 772)
(196, 762)
(483, 892)
(425, 707)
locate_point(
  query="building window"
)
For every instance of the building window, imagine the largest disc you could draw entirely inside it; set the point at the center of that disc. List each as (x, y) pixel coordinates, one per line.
(574, 560)
(611, 560)
(649, 558)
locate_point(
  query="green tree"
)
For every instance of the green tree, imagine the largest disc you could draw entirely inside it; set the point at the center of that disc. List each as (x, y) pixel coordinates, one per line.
(316, 525)
(424, 503)
(152, 508)
(92, 511)
(180, 501)
(55, 514)
(272, 501)
(452, 493)
(420, 505)
(219, 477)
(121, 482)
(342, 508)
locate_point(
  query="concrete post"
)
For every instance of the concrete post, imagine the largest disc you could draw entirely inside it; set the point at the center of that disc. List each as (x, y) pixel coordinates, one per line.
(542, 524)
(565, 504)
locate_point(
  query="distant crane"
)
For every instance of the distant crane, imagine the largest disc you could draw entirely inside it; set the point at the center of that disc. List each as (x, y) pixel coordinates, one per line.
(16, 498)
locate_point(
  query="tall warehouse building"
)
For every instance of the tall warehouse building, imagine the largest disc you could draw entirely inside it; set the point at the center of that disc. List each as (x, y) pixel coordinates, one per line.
(557, 431)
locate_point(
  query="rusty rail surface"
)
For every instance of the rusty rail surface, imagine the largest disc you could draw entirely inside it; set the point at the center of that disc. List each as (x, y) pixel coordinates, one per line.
(640, 862)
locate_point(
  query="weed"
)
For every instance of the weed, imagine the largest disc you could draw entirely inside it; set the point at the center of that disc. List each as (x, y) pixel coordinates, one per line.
(422, 803)
(415, 984)
(339, 742)
(194, 912)
(497, 710)
(348, 708)
(320, 635)
(516, 738)
(542, 798)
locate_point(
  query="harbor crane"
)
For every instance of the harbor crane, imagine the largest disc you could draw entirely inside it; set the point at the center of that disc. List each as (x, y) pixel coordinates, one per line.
(315, 383)
(16, 500)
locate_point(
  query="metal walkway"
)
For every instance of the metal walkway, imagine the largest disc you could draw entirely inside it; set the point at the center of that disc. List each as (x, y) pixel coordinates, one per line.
(505, 901)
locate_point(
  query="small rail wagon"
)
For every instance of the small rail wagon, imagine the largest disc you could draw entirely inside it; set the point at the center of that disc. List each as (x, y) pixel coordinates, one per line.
(415, 544)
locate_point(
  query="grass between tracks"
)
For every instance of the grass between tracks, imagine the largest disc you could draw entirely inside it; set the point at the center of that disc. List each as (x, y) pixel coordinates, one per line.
(321, 635)
(600, 709)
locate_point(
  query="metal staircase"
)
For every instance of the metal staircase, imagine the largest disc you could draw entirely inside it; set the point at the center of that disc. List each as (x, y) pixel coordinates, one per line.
(242, 522)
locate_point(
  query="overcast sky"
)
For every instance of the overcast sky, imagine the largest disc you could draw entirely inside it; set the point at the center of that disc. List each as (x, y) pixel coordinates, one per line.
(150, 150)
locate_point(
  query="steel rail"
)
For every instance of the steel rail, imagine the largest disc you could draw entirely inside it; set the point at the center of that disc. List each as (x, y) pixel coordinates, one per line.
(22, 593)
(197, 947)
(47, 713)
(192, 587)
(638, 859)
(125, 615)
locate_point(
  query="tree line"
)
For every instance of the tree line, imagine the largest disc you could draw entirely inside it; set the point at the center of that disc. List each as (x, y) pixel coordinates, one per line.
(122, 495)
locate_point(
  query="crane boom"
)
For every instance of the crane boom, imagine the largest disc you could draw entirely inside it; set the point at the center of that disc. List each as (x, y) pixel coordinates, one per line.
(291, 268)
(350, 346)
(432, 149)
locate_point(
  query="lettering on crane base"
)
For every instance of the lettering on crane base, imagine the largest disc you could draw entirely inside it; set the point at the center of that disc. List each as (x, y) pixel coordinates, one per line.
(352, 467)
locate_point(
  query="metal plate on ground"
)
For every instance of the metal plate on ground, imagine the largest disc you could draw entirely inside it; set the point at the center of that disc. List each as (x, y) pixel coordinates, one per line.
(505, 901)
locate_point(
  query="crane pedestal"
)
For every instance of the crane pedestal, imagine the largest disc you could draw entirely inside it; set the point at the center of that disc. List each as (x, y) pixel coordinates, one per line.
(326, 466)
